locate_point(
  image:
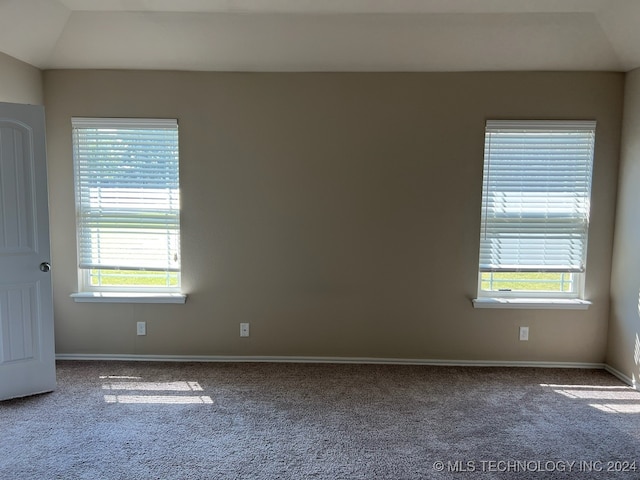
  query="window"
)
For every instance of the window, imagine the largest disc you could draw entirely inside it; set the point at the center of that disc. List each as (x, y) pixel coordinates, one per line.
(535, 208)
(127, 204)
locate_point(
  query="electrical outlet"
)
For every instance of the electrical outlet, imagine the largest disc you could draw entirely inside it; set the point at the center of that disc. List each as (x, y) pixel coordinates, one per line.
(142, 328)
(244, 329)
(524, 334)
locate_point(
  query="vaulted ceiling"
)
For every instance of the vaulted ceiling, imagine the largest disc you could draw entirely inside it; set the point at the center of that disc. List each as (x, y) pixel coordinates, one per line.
(324, 35)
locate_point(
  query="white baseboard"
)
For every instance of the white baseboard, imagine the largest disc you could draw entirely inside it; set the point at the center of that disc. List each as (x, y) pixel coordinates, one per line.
(351, 360)
(621, 376)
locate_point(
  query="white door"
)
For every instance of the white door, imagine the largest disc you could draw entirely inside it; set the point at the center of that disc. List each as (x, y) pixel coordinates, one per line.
(27, 353)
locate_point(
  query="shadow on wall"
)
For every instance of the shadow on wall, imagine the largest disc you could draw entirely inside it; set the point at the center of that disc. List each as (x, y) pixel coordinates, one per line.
(636, 359)
(635, 376)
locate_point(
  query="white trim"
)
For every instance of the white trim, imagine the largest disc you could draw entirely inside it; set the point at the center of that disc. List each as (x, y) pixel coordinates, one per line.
(127, 123)
(130, 221)
(621, 376)
(347, 360)
(535, 216)
(532, 303)
(134, 297)
(585, 125)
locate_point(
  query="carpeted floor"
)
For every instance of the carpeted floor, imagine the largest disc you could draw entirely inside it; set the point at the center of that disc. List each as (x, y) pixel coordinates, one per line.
(133, 420)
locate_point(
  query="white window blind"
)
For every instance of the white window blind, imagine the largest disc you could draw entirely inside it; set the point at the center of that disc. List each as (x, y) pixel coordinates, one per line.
(127, 194)
(536, 196)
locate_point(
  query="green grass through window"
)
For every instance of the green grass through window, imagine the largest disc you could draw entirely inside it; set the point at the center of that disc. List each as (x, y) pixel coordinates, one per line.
(129, 278)
(527, 282)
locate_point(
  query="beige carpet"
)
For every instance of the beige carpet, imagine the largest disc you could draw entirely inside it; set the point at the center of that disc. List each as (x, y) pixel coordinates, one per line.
(130, 420)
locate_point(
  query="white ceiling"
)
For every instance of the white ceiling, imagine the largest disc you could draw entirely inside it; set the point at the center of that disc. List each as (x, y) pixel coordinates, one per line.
(324, 35)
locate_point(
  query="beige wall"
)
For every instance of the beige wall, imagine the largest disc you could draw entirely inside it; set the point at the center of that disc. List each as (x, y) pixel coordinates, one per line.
(337, 213)
(19, 81)
(624, 323)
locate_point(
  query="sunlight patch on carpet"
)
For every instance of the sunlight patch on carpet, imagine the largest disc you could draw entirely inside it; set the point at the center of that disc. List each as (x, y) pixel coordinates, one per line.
(157, 386)
(587, 387)
(181, 398)
(617, 407)
(599, 394)
(158, 399)
(619, 399)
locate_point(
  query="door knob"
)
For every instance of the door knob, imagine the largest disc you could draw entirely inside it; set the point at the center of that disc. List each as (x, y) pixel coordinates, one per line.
(45, 267)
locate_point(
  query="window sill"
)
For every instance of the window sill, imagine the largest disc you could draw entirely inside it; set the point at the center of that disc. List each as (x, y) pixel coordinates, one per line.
(532, 303)
(133, 297)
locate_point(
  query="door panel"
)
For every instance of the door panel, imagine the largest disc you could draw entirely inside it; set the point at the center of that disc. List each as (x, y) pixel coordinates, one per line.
(16, 323)
(16, 167)
(27, 356)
